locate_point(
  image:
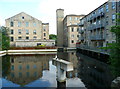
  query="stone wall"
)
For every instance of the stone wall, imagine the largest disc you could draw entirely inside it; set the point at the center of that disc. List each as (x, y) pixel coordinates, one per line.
(34, 43)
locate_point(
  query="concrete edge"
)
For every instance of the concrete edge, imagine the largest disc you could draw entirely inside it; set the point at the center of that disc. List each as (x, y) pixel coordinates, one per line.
(2, 53)
(28, 51)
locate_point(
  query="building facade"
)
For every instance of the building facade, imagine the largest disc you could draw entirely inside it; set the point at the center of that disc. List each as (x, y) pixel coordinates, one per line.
(0, 39)
(25, 28)
(95, 27)
(67, 29)
(70, 30)
(59, 21)
(28, 68)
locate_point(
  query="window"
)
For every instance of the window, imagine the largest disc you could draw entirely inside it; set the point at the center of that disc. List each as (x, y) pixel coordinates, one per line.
(34, 32)
(22, 17)
(70, 18)
(19, 31)
(20, 74)
(44, 34)
(35, 74)
(119, 3)
(99, 10)
(77, 29)
(72, 41)
(72, 29)
(38, 44)
(12, 75)
(44, 38)
(113, 17)
(78, 36)
(19, 38)
(11, 24)
(27, 67)
(113, 5)
(12, 67)
(107, 23)
(34, 37)
(19, 24)
(27, 74)
(19, 67)
(107, 8)
(102, 10)
(72, 36)
(11, 39)
(76, 18)
(34, 24)
(27, 38)
(27, 24)
(99, 22)
(34, 66)
(11, 31)
(27, 31)
(44, 29)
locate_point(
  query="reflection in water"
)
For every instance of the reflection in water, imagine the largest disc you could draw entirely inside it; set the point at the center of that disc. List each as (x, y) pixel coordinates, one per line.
(72, 76)
(25, 69)
(71, 57)
(38, 71)
(94, 74)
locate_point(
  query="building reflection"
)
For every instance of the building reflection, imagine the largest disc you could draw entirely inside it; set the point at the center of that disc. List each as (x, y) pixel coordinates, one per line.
(95, 74)
(27, 68)
(71, 57)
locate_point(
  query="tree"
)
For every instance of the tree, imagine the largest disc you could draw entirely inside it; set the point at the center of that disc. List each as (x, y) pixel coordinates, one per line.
(53, 37)
(115, 50)
(5, 38)
(6, 65)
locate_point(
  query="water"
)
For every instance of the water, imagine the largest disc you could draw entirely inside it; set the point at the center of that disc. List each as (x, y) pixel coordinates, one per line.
(38, 71)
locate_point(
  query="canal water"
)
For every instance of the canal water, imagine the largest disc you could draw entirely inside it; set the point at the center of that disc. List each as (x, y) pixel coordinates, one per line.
(36, 70)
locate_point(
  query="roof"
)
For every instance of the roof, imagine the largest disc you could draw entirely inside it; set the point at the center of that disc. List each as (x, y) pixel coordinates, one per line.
(22, 13)
(73, 15)
(94, 10)
(45, 23)
(60, 9)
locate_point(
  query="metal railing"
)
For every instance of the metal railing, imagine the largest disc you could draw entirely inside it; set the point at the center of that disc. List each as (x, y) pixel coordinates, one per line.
(95, 49)
(81, 38)
(33, 40)
(97, 37)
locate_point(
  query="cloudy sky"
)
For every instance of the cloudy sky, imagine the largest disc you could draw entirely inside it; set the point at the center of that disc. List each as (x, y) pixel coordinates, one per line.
(45, 10)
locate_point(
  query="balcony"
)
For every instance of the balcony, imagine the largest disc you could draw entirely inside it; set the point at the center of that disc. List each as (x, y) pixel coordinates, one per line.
(97, 37)
(98, 15)
(81, 31)
(81, 38)
(81, 24)
(100, 25)
(92, 27)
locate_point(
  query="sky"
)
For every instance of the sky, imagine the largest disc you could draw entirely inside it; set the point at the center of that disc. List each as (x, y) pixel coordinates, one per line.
(45, 10)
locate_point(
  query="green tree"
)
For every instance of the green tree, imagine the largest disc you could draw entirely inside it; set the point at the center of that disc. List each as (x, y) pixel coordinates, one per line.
(53, 37)
(115, 50)
(5, 38)
(6, 65)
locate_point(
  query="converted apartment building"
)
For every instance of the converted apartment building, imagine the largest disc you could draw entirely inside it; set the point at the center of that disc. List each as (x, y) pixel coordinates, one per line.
(26, 30)
(67, 29)
(95, 27)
